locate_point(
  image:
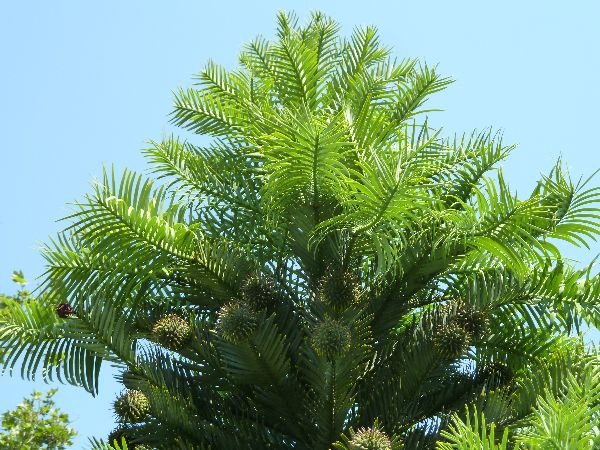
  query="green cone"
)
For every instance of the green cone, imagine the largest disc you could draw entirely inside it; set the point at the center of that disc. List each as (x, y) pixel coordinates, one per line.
(122, 433)
(451, 341)
(338, 288)
(370, 439)
(258, 292)
(132, 406)
(474, 321)
(172, 331)
(237, 321)
(331, 339)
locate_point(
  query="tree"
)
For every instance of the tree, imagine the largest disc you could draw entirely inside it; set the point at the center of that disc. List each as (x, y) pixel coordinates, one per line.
(36, 424)
(328, 271)
(21, 296)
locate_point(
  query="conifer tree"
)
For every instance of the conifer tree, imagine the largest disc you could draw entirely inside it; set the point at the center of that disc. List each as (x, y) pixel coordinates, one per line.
(330, 271)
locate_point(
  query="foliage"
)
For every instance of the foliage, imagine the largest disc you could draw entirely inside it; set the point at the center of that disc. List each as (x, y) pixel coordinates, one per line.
(328, 263)
(565, 419)
(472, 434)
(36, 424)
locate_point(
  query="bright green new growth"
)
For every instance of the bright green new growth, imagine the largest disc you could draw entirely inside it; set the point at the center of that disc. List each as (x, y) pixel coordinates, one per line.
(325, 181)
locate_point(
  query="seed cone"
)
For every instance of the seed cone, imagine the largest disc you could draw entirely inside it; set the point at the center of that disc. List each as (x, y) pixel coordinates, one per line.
(339, 288)
(237, 321)
(451, 341)
(258, 293)
(172, 331)
(64, 310)
(132, 406)
(370, 439)
(474, 321)
(331, 339)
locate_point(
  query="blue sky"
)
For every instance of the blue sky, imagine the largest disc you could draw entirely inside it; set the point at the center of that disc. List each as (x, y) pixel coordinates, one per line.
(89, 83)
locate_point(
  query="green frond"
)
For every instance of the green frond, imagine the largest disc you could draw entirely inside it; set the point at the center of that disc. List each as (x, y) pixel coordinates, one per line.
(567, 416)
(72, 349)
(34, 337)
(305, 161)
(577, 210)
(500, 224)
(472, 434)
(262, 361)
(411, 95)
(204, 113)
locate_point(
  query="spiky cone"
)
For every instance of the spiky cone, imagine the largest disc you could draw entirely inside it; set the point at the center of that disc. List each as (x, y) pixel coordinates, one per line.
(475, 321)
(132, 406)
(451, 340)
(237, 322)
(370, 439)
(338, 288)
(331, 339)
(64, 311)
(172, 331)
(259, 292)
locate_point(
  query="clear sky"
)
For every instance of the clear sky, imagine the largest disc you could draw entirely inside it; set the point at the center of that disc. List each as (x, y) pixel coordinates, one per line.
(89, 83)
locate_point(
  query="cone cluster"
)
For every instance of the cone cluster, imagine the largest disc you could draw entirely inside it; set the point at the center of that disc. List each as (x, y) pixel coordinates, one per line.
(132, 406)
(451, 341)
(474, 321)
(172, 331)
(466, 326)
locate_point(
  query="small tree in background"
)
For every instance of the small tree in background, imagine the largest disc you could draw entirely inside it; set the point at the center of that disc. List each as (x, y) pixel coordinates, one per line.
(36, 424)
(328, 271)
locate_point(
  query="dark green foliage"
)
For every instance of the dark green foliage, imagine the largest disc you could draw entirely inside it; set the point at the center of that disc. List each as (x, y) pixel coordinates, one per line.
(120, 437)
(172, 331)
(64, 310)
(496, 374)
(132, 406)
(327, 262)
